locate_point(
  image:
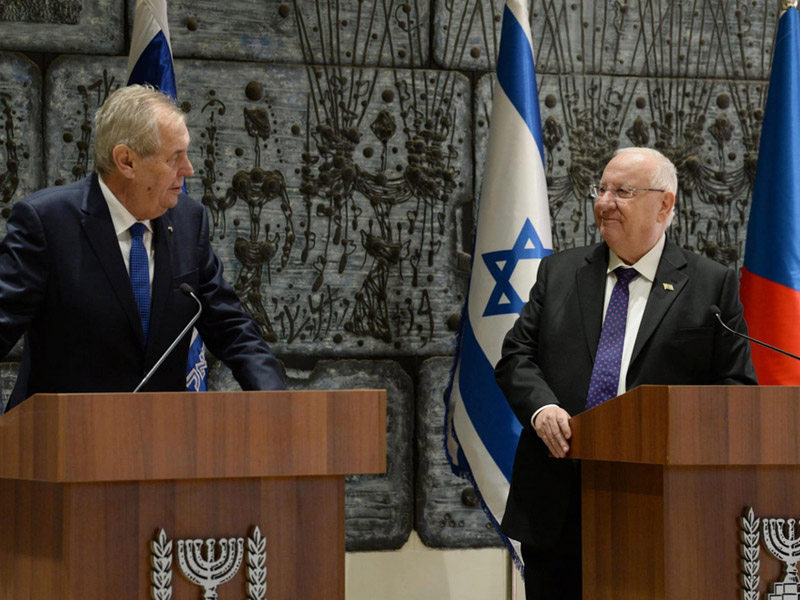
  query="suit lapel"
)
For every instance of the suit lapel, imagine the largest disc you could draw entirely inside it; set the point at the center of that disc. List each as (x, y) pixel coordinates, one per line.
(590, 280)
(99, 230)
(162, 279)
(670, 281)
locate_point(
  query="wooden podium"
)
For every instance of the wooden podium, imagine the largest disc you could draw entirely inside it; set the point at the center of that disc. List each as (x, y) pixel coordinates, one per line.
(666, 474)
(88, 480)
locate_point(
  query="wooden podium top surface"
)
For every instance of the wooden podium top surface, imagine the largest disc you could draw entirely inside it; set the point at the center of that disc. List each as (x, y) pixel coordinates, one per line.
(693, 425)
(182, 435)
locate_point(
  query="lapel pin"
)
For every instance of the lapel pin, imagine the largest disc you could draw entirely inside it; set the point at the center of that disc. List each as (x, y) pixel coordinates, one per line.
(668, 287)
(169, 228)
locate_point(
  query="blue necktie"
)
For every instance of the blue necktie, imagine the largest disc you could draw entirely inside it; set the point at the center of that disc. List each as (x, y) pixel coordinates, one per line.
(140, 275)
(605, 374)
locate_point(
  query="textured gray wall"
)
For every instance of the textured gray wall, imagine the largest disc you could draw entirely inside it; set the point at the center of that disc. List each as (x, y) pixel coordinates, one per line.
(339, 148)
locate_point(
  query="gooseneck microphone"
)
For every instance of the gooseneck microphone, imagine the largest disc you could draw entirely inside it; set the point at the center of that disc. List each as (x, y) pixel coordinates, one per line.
(715, 311)
(186, 289)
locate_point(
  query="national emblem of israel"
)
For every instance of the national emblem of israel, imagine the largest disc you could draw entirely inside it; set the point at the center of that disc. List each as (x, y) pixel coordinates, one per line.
(209, 564)
(781, 538)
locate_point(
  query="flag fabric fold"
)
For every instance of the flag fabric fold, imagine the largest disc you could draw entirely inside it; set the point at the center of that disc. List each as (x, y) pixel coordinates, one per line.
(150, 61)
(770, 285)
(150, 58)
(512, 236)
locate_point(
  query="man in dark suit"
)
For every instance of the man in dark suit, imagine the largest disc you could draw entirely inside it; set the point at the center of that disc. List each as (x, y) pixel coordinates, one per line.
(70, 254)
(554, 363)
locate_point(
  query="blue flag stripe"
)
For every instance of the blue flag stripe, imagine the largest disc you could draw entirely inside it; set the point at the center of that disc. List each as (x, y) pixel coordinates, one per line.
(154, 66)
(517, 74)
(488, 409)
(772, 249)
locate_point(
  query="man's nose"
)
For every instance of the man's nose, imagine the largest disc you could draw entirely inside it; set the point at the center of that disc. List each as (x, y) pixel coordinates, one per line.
(605, 199)
(187, 168)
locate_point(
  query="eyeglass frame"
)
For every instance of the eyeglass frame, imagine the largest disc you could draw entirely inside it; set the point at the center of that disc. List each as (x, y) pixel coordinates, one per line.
(595, 191)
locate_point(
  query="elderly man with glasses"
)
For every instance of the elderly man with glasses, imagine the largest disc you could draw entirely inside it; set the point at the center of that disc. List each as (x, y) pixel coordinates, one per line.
(601, 320)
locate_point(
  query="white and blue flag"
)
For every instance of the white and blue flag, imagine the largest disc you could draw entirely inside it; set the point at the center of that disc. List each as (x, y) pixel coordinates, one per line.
(512, 236)
(150, 58)
(150, 61)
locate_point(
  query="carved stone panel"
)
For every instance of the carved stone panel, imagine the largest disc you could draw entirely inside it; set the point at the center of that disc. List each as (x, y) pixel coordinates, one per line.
(448, 513)
(75, 87)
(709, 128)
(685, 38)
(20, 133)
(378, 508)
(332, 192)
(92, 26)
(8, 379)
(354, 33)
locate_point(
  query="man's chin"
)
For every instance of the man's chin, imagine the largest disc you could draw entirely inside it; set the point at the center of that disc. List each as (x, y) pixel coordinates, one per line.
(610, 232)
(167, 202)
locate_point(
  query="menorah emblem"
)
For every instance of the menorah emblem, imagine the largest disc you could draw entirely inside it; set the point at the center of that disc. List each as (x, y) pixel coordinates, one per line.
(780, 540)
(209, 564)
(210, 571)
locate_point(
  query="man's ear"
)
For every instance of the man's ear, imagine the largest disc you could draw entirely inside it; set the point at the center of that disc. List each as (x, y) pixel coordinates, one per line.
(667, 204)
(125, 160)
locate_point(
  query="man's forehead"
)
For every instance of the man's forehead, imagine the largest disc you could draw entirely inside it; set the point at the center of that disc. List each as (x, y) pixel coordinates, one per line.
(628, 165)
(173, 132)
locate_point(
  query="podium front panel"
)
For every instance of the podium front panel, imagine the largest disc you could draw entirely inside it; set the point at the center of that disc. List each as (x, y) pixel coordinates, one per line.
(78, 541)
(654, 531)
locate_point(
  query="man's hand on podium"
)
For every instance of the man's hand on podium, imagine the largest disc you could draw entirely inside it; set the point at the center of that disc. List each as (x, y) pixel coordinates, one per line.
(552, 425)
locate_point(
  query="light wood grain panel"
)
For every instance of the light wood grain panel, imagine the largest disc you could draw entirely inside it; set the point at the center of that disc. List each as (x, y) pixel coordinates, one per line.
(78, 541)
(100, 437)
(693, 425)
(665, 532)
(623, 531)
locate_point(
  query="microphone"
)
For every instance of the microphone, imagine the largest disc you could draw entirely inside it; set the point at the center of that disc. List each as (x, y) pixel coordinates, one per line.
(715, 312)
(186, 289)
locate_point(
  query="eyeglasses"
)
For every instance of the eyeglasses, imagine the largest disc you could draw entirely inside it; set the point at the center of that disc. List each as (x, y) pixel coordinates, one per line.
(625, 192)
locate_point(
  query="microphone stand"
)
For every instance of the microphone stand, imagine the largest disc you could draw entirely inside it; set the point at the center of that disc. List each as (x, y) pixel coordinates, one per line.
(186, 289)
(715, 312)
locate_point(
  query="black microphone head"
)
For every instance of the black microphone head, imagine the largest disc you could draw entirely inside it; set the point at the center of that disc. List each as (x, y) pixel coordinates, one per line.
(714, 309)
(186, 289)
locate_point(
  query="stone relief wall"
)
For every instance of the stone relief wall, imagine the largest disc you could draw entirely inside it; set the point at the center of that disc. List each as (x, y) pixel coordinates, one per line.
(339, 146)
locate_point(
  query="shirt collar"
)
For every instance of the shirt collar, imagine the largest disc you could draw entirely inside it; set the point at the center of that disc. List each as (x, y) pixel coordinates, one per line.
(646, 266)
(120, 216)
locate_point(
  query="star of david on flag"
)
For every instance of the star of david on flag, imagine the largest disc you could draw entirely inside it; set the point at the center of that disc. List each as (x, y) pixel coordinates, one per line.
(512, 235)
(502, 263)
(150, 61)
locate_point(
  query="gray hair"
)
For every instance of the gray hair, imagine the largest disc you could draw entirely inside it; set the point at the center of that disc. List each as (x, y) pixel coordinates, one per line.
(664, 176)
(130, 116)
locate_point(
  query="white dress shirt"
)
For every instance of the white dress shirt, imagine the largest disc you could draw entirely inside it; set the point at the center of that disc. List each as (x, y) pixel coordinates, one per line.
(122, 221)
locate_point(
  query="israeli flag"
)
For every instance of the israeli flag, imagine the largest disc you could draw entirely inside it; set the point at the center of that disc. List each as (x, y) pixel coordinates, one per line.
(512, 236)
(150, 58)
(150, 61)
(196, 366)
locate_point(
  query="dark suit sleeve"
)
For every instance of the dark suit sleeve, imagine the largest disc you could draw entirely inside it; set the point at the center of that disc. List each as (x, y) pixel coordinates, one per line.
(731, 362)
(24, 270)
(228, 331)
(517, 372)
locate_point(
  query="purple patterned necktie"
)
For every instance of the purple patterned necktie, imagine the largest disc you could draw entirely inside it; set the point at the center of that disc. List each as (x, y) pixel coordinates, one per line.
(605, 374)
